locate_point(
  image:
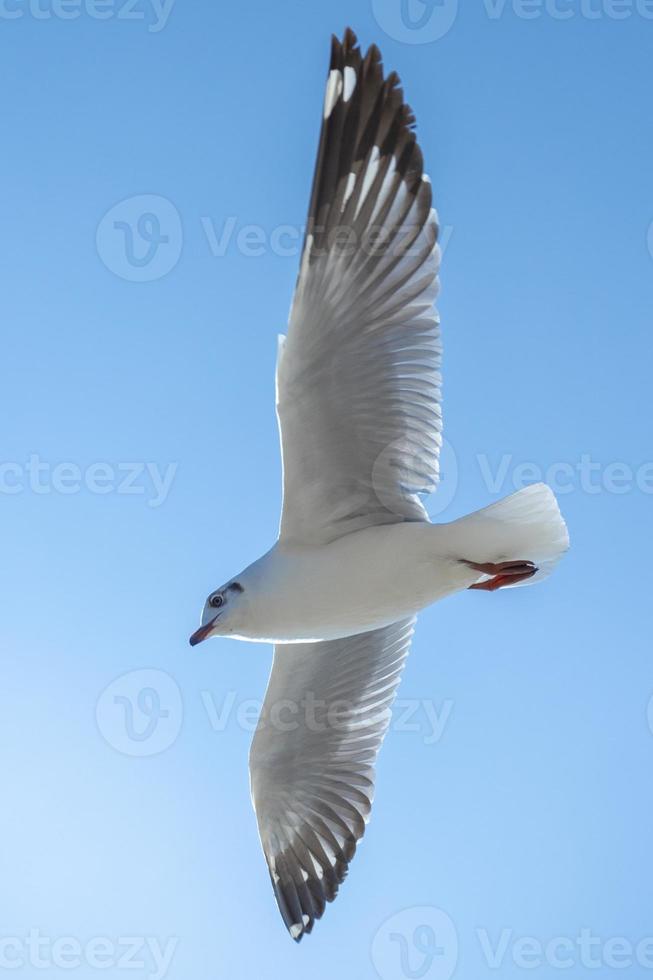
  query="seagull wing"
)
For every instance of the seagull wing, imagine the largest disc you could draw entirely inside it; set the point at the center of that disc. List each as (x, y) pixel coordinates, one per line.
(358, 384)
(326, 711)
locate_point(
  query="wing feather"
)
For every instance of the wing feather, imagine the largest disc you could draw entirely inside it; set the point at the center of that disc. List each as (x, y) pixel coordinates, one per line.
(312, 759)
(358, 385)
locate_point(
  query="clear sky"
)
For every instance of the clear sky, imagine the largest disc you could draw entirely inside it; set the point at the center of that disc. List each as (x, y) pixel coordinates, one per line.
(155, 177)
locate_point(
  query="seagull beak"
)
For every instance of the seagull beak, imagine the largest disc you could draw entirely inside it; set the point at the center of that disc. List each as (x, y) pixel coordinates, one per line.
(202, 633)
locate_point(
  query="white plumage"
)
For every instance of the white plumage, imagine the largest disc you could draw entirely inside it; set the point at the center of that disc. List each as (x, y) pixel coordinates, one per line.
(358, 402)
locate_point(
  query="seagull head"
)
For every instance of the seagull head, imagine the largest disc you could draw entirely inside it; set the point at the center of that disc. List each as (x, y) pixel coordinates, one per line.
(221, 612)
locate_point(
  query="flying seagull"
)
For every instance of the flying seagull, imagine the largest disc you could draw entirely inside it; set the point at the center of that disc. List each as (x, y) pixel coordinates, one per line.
(358, 403)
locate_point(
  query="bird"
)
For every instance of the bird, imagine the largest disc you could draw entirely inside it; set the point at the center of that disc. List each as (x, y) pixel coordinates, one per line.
(358, 399)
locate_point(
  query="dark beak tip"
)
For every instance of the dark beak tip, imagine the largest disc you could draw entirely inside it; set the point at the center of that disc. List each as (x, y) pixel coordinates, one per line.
(201, 633)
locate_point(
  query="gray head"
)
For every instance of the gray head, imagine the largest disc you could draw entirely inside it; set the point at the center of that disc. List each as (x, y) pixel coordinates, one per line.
(223, 612)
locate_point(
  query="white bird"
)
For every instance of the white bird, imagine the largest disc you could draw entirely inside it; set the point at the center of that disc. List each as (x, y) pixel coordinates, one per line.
(358, 403)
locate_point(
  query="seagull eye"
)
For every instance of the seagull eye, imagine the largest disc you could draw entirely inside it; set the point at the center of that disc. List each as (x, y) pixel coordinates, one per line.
(216, 601)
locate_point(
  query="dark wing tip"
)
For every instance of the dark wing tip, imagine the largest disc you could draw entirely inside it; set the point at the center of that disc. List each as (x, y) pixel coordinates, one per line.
(367, 156)
(301, 895)
(349, 40)
(342, 51)
(373, 54)
(334, 61)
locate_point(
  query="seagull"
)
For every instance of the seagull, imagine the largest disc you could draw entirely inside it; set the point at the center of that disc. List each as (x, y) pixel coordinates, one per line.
(358, 405)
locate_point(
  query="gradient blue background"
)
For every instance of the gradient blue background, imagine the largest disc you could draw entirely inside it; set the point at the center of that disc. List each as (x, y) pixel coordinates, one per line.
(533, 811)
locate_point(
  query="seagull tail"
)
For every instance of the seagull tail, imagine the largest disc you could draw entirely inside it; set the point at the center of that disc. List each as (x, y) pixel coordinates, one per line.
(527, 525)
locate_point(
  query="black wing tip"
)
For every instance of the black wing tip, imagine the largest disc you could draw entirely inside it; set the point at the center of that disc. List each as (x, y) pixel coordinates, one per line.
(302, 905)
(361, 112)
(349, 40)
(374, 54)
(347, 51)
(298, 919)
(341, 47)
(336, 49)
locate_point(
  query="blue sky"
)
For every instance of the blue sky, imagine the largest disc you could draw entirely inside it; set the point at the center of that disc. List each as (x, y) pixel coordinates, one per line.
(139, 468)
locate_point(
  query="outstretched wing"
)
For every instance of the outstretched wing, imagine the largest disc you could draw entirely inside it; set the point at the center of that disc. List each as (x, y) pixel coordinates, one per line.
(325, 714)
(358, 384)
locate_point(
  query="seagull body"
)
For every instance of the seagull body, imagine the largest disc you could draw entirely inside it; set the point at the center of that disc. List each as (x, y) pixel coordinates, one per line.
(358, 403)
(368, 579)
